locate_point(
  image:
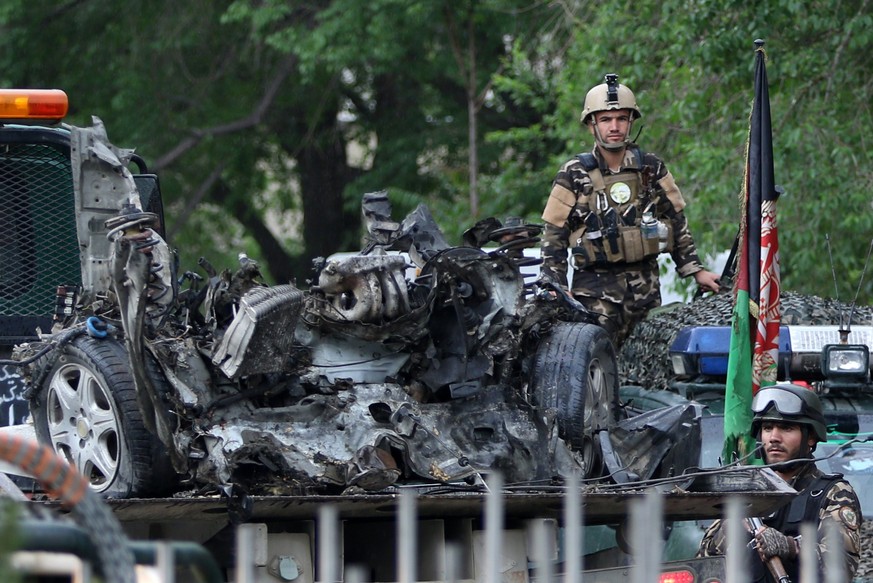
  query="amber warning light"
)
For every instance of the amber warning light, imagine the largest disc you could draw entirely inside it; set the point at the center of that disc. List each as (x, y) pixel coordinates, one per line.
(33, 104)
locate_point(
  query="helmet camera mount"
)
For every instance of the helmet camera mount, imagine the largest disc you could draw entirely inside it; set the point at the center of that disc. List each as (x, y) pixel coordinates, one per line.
(611, 88)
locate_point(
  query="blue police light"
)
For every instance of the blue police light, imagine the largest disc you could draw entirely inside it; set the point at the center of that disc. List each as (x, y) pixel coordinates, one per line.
(701, 351)
(704, 350)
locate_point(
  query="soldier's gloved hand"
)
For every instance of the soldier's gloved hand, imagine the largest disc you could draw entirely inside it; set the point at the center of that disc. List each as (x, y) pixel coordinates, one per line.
(772, 543)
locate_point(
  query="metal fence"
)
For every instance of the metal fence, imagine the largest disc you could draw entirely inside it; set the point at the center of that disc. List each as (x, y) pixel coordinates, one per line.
(549, 554)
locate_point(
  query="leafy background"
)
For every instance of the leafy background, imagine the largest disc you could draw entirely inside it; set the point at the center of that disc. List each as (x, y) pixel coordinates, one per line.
(267, 120)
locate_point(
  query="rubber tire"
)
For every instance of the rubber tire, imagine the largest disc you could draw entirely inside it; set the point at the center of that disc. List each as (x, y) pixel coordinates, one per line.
(575, 374)
(135, 463)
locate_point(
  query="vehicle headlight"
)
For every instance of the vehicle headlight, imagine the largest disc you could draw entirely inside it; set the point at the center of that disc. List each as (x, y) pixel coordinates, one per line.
(845, 361)
(682, 365)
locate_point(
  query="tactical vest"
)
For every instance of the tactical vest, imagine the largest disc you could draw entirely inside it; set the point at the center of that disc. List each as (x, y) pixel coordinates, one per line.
(612, 231)
(804, 508)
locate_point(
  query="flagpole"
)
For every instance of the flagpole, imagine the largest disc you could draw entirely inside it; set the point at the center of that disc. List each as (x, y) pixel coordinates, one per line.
(755, 320)
(766, 348)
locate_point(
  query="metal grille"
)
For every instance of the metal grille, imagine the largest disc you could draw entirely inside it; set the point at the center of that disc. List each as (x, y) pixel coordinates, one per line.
(38, 245)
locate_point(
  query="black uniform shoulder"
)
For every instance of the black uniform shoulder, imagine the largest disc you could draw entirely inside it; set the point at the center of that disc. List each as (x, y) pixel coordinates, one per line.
(650, 158)
(654, 162)
(587, 160)
(829, 482)
(834, 487)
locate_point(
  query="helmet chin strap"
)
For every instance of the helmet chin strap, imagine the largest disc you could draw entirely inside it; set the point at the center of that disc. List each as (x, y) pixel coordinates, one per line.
(805, 449)
(614, 146)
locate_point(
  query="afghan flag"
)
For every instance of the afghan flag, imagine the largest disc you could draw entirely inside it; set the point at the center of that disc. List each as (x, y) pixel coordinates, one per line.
(754, 349)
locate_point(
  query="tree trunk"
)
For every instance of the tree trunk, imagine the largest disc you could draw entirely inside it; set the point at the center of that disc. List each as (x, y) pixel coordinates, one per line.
(472, 110)
(324, 174)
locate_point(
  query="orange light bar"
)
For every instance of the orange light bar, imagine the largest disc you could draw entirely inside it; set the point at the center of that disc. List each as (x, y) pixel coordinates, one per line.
(33, 104)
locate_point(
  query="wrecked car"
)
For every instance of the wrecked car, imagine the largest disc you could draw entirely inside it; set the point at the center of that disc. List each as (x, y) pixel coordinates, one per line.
(413, 360)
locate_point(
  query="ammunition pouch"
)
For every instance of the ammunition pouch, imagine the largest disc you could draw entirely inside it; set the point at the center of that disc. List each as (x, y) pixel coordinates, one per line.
(637, 247)
(630, 247)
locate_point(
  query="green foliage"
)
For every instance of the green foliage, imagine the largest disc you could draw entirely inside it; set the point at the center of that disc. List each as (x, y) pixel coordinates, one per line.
(374, 95)
(9, 543)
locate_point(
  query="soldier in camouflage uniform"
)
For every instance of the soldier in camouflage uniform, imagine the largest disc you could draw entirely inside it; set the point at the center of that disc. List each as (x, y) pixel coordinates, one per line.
(789, 423)
(615, 209)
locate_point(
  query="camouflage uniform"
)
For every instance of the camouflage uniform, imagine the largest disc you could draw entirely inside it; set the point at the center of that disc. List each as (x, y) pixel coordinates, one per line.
(621, 292)
(838, 504)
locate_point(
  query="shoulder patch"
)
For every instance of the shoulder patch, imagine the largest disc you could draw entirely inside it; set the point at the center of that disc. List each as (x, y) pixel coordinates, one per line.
(634, 157)
(849, 517)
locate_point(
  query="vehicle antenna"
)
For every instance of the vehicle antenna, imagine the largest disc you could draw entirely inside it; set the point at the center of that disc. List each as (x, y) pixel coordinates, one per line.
(858, 291)
(836, 288)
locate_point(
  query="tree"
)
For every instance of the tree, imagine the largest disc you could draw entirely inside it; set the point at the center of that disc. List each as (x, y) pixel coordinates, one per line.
(269, 120)
(412, 76)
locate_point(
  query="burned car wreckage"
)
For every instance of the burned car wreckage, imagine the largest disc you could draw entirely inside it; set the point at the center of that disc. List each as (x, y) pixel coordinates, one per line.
(413, 360)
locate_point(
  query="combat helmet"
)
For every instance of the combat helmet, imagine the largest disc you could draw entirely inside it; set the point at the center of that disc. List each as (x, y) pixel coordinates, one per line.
(789, 403)
(610, 95)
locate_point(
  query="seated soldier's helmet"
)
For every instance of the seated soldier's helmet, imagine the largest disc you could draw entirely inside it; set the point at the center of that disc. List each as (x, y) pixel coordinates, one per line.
(789, 403)
(607, 96)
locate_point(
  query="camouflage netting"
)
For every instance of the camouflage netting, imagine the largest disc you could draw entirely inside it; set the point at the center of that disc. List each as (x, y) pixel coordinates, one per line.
(865, 568)
(644, 359)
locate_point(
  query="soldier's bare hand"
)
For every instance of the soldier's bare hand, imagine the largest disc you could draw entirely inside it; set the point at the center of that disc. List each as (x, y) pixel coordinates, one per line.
(708, 280)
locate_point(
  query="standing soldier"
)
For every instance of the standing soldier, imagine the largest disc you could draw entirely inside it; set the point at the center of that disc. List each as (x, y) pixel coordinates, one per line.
(615, 209)
(789, 423)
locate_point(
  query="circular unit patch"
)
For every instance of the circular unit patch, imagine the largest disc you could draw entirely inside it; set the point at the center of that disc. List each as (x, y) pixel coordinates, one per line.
(620, 192)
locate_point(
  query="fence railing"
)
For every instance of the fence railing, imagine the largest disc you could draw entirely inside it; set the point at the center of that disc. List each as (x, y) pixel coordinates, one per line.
(547, 550)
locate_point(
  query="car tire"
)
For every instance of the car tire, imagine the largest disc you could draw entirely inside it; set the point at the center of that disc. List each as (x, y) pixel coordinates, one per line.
(575, 375)
(86, 409)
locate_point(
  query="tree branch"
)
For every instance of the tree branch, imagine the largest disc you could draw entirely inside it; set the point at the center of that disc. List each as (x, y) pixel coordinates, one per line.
(193, 201)
(251, 120)
(839, 52)
(453, 42)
